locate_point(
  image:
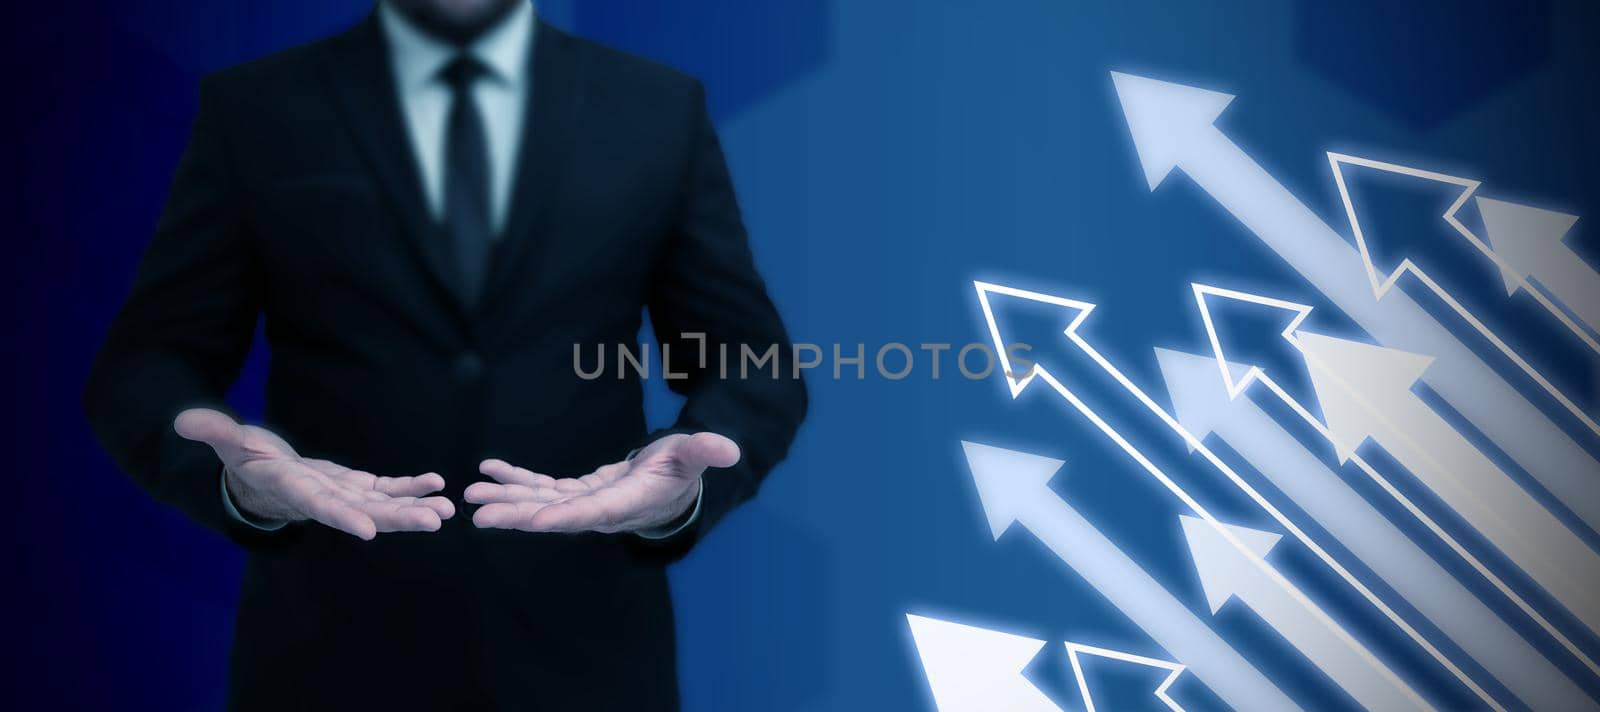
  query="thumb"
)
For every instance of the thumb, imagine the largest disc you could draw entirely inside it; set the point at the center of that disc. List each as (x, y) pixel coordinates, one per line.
(709, 450)
(211, 427)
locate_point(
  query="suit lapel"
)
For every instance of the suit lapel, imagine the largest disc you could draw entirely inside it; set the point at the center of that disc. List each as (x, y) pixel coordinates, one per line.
(364, 84)
(554, 106)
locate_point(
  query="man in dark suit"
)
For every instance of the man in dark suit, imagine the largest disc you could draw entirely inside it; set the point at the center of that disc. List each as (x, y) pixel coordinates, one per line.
(431, 211)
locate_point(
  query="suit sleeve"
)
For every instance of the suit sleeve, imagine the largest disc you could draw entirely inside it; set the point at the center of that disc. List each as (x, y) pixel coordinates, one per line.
(706, 284)
(183, 333)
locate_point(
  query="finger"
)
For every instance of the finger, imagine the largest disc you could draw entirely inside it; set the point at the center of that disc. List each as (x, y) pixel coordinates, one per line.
(392, 516)
(593, 512)
(506, 515)
(352, 496)
(512, 493)
(510, 474)
(408, 486)
(441, 506)
(358, 497)
(212, 427)
(324, 507)
(489, 492)
(708, 450)
(366, 495)
(388, 486)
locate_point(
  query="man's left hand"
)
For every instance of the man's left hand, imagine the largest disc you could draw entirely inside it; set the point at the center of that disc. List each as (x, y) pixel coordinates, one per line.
(656, 486)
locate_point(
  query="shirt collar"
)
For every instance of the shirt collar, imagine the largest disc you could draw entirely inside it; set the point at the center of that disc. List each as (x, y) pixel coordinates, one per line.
(418, 56)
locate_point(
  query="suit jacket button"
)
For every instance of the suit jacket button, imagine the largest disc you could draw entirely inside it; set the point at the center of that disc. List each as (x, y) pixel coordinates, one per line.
(467, 369)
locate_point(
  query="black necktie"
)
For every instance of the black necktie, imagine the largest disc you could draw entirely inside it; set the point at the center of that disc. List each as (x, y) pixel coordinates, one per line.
(466, 178)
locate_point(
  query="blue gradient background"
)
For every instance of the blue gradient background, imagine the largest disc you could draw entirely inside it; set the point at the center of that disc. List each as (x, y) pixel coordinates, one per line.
(886, 153)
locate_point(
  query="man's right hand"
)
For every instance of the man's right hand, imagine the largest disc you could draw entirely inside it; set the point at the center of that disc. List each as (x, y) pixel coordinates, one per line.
(267, 479)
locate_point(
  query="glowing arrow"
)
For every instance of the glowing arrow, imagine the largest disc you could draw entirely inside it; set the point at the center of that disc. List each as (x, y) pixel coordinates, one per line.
(1019, 379)
(1226, 573)
(1238, 379)
(1365, 392)
(1172, 127)
(1513, 278)
(1528, 242)
(1014, 488)
(972, 669)
(1205, 406)
(1162, 691)
(1381, 284)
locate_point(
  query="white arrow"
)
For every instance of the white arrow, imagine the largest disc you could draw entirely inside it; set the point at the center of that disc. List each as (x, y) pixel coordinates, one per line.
(1382, 284)
(988, 294)
(1204, 406)
(1528, 241)
(1172, 127)
(1014, 487)
(1075, 651)
(1238, 379)
(1225, 572)
(972, 669)
(1365, 392)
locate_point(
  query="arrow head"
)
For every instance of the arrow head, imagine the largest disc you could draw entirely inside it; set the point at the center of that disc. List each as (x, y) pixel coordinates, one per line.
(1166, 120)
(1197, 391)
(1008, 481)
(1356, 384)
(1169, 672)
(1400, 215)
(1214, 302)
(1522, 237)
(995, 299)
(1220, 564)
(971, 669)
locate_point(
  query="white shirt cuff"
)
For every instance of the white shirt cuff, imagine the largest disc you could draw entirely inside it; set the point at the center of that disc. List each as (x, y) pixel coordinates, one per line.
(694, 515)
(238, 516)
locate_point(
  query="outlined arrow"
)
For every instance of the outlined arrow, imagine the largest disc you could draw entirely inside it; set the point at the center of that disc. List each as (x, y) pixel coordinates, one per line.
(1173, 128)
(1513, 278)
(972, 669)
(1205, 407)
(1014, 488)
(1162, 691)
(1529, 243)
(1018, 380)
(1365, 393)
(1239, 378)
(1226, 573)
(1381, 284)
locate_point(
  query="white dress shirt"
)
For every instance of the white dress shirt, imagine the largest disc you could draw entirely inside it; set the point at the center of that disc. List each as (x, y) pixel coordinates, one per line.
(501, 94)
(502, 97)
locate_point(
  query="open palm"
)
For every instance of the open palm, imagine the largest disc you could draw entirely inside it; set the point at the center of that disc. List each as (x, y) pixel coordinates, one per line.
(645, 492)
(269, 480)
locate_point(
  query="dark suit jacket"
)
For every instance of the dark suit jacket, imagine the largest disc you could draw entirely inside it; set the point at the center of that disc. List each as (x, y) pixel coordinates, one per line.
(298, 201)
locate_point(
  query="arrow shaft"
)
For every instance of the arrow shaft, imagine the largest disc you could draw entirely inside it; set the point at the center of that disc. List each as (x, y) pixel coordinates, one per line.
(1328, 647)
(1199, 447)
(1489, 500)
(1379, 544)
(1572, 282)
(1151, 607)
(1510, 353)
(1335, 268)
